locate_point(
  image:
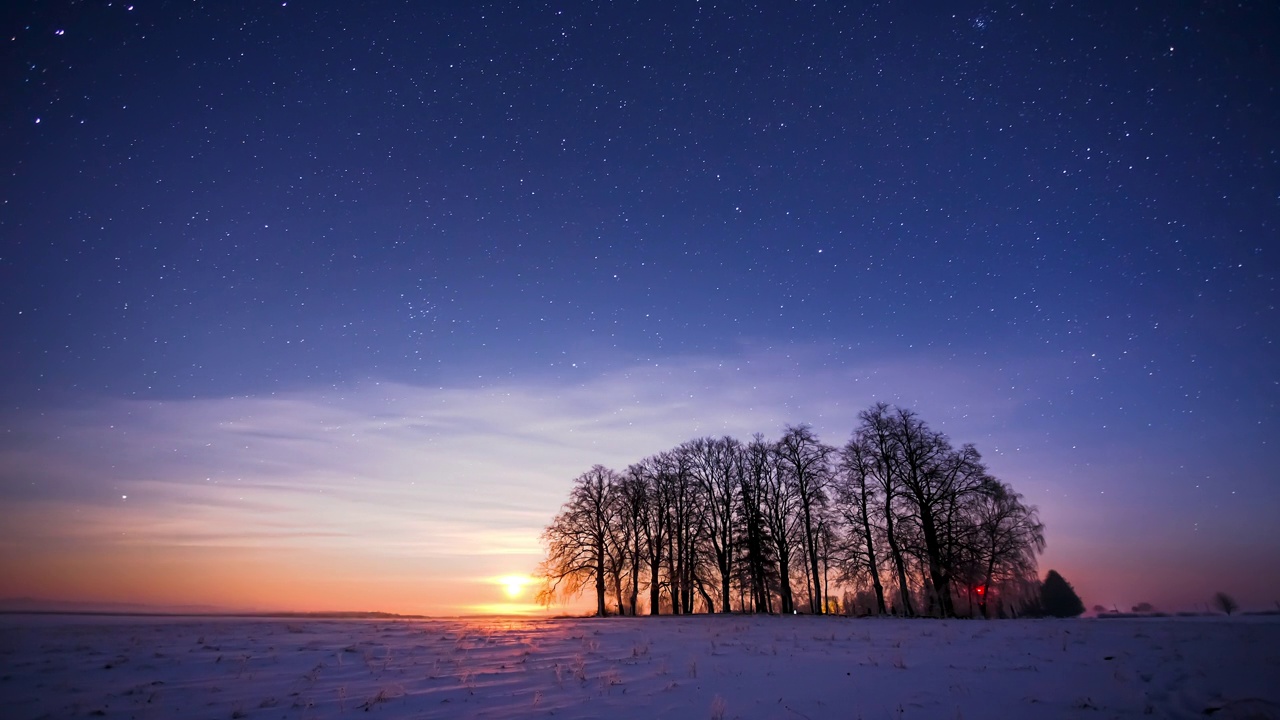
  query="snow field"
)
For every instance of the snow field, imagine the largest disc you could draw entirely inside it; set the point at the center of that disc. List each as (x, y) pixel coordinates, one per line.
(717, 667)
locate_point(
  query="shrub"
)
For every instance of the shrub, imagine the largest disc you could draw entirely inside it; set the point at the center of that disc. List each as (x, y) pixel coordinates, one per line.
(1225, 603)
(1058, 598)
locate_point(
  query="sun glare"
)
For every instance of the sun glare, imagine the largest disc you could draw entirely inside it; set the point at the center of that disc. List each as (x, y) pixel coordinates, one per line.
(514, 584)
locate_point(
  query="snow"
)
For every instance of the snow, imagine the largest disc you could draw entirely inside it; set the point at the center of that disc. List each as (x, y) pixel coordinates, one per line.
(675, 667)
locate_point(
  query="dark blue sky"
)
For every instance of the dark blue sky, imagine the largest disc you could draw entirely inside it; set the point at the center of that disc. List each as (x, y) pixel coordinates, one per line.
(1070, 210)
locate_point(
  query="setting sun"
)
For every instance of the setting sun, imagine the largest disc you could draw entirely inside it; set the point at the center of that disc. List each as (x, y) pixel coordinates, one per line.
(514, 584)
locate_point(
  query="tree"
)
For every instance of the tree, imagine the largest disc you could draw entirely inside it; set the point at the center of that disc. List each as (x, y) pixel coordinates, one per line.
(715, 465)
(631, 514)
(937, 479)
(778, 510)
(903, 512)
(685, 504)
(1009, 535)
(1058, 598)
(1225, 603)
(854, 503)
(877, 429)
(577, 540)
(806, 462)
(656, 525)
(757, 463)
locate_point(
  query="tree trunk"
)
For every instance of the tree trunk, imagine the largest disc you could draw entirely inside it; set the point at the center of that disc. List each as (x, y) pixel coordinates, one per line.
(686, 590)
(655, 587)
(941, 583)
(873, 563)
(810, 541)
(711, 604)
(601, 611)
(784, 569)
(896, 552)
(986, 585)
(673, 577)
(826, 581)
(635, 573)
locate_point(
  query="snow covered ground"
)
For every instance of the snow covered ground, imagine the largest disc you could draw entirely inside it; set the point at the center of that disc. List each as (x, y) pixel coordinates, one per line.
(683, 667)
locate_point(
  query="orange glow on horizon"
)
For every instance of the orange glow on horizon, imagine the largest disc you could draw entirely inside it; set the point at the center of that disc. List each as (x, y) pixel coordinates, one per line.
(511, 608)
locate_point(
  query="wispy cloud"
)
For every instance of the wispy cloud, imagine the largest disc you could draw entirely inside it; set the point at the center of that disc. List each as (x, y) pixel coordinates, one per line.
(437, 479)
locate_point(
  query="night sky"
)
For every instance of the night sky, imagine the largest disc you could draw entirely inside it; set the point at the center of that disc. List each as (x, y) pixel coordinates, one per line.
(323, 305)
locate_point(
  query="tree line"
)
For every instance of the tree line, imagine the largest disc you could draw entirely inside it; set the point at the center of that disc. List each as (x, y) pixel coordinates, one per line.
(898, 520)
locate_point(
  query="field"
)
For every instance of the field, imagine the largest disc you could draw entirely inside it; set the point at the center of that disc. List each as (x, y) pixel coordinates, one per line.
(683, 667)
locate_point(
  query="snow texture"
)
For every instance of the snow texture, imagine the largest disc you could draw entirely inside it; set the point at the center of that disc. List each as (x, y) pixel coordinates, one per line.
(674, 667)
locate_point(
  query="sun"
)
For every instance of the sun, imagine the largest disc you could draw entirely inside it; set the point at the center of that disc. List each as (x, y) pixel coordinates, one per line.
(514, 585)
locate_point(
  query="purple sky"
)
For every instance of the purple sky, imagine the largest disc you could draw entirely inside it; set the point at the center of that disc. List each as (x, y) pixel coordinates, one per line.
(326, 305)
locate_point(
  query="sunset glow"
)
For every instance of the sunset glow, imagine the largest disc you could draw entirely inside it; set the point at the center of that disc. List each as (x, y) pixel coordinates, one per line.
(514, 585)
(324, 306)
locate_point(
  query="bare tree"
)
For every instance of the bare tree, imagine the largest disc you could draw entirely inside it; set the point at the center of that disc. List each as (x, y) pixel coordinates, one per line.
(876, 428)
(715, 464)
(577, 540)
(1225, 603)
(1009, 536)
(924, 464)
(807, 463)
(656, 525)
(685, 505)
(935, 482)
(712, 517)
(854, 495)
(632, 498)
(779, 506)
(757, 463)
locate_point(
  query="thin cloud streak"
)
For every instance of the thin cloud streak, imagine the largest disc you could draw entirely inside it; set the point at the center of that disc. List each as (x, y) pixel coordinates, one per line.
(429, 476)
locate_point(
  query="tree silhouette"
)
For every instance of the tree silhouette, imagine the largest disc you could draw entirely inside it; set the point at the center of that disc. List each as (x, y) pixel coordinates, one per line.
(938, 479)
(716, 465)
(757, 463)
(655, 525)
(1225, 603)
(805, 461)
(631, 510)
(1009, 535)
(577, 540)
(713, 521)
(855, 503)
(685, 505)
(877, 428)
(779, 511)
(1058, 598)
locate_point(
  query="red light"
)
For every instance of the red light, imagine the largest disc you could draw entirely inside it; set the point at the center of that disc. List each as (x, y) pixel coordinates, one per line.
(982, 590)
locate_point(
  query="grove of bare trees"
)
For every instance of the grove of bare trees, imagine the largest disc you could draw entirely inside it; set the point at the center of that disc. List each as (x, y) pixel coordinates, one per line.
(898, 520)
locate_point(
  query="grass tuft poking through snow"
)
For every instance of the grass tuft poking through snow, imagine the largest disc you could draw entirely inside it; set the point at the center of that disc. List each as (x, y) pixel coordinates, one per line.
(718, 708)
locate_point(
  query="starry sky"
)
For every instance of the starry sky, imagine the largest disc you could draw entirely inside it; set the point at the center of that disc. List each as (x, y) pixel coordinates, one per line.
(319, 305)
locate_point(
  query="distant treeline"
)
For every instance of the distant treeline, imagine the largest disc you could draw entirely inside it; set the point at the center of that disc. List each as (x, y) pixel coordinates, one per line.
(898, 520)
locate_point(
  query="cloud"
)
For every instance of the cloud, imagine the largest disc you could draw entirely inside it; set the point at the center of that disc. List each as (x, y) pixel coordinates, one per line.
(437, 482)
(390, 463)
